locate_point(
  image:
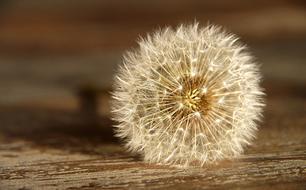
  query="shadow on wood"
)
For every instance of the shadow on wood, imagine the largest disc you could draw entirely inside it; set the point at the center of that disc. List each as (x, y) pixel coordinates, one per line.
(72, 131)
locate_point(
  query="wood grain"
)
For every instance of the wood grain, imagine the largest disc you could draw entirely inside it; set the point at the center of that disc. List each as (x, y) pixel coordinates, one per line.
(55, 149)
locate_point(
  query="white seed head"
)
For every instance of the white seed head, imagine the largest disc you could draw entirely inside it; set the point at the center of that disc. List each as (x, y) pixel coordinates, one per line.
(187, 96)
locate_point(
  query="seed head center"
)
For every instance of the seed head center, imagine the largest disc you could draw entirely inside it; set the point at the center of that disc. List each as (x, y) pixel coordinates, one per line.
(192, 99)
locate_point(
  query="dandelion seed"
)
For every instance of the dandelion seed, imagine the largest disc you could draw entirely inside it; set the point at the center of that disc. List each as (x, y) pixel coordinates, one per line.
(204, 90)
(180, 87)
(188, 96)
(221, 100)
(197, 114)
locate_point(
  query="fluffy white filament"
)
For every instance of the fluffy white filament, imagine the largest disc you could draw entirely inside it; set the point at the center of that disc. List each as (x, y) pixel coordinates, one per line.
(187, 96)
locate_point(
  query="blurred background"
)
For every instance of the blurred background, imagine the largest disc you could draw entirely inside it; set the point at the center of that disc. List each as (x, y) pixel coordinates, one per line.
(50, 49)
(61, 55)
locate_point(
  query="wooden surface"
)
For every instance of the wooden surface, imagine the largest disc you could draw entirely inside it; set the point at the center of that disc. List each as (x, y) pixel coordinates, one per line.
(44, 148)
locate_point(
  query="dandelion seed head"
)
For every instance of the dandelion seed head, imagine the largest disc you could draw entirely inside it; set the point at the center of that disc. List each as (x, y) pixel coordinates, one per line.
(187, 96)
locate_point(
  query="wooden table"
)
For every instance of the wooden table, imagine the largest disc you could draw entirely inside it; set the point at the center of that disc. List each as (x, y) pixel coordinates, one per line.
(44, 148)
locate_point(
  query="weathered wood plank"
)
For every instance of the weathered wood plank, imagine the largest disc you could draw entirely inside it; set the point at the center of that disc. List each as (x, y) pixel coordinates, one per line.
(54, 149)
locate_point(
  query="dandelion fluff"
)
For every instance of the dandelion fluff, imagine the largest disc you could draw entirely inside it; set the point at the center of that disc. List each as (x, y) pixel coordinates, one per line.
(188, 96)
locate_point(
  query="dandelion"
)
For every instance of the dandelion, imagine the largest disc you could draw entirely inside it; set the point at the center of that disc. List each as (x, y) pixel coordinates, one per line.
(187, 96)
